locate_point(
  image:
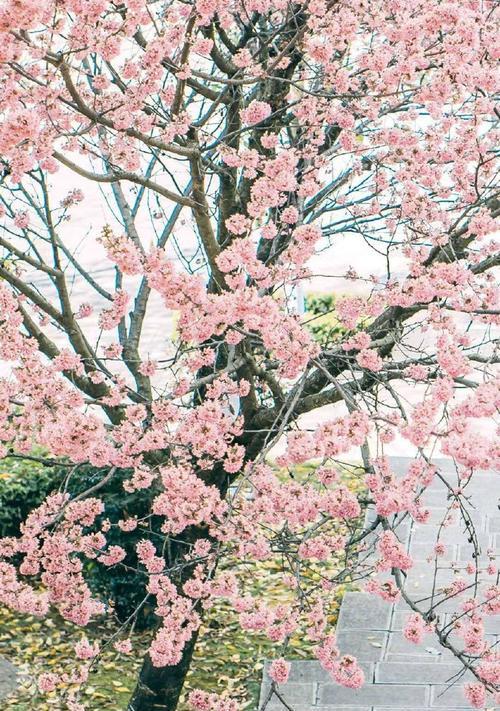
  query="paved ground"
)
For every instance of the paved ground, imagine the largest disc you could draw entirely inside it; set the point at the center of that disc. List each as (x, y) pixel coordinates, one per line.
(7, 677)
(401, 675)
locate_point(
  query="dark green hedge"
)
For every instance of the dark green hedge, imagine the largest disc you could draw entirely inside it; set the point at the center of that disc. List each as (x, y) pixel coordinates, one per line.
(322, 320)
(23, 486)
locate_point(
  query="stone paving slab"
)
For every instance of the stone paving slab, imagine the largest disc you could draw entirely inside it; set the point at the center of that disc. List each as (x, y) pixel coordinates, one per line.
(437, 514)
(418, 673)
(309, 671)
(443, 697)
(398, 644)
(293, 693)
(447, 605)
(436, 656)
(360, 611)
(398, 696)
(8, 675)
(400, 465)
(424, 582)
(363, 644)
(421, 551)
(492, 624)
(449, 535)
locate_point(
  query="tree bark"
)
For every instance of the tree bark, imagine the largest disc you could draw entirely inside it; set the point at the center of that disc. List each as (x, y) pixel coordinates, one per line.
(159, 689)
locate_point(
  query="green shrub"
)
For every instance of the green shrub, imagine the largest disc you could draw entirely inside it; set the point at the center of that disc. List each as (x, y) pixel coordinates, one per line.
(321, 319)
(23, 486)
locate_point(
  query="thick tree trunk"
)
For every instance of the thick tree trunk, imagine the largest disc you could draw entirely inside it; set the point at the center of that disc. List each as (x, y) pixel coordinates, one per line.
(159, 689)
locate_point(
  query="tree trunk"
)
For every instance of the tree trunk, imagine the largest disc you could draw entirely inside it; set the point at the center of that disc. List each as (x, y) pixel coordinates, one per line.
(159, 688)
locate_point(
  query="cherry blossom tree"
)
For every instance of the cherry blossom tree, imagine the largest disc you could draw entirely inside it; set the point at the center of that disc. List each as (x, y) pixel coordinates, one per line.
(239, 148)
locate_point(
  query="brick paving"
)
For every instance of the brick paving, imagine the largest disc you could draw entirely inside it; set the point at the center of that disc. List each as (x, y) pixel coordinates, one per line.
(399, 674)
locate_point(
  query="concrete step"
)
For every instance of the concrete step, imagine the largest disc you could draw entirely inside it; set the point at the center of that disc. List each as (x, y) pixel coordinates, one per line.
(316, 696)
(371, 697)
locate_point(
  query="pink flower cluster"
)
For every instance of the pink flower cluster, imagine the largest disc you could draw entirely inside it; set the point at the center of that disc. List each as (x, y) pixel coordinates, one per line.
(345, 670)
(475, 695)
(179, 622)
(414, 628)
(203, 701)
(109, 318)
(255, 112)
(53, 554)
(370, 360)
(306, 172)
(123, 252)
(279, 671)
(392, 553)
(186, 500)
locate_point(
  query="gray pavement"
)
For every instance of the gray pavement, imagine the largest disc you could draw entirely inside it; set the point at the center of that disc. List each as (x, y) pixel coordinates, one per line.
(8, 676)
(400, 674)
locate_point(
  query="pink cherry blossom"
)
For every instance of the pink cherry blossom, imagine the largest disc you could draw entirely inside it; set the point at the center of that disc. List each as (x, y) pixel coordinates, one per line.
(256, 112)
(279, 671)
(475, 695)
(176, 184)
